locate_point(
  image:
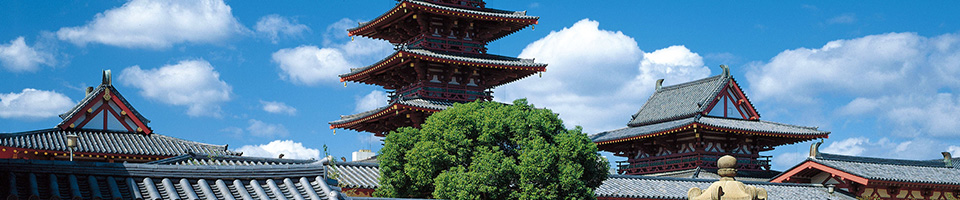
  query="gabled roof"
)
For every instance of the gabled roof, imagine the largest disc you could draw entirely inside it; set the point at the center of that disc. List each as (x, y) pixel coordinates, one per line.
(109, 142)
(686, 99)
(647, 187)
(749, 127)
(93, 105)
(883, 169)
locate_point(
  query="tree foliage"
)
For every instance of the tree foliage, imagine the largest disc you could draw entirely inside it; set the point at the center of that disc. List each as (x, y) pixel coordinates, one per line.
(489, 150)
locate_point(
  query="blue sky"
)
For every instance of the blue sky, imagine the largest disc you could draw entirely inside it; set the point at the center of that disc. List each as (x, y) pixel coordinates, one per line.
(261, 76)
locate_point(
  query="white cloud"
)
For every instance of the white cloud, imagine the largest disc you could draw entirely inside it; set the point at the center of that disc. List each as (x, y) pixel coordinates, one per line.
(273, 26)
(787, 160)
(261, 129)
(309, 65)
(596, 76)
(917, 148)
(157, 24)
(373, 100)
(191, 83)
(906, 81)
(312, 65)
(289, 149)
(954, 151)
(33, 104)
(278, 107)
(18, 57)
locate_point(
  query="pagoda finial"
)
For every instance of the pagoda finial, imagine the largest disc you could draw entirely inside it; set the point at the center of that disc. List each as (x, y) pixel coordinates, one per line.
(659, 84)
(106, 77)
(726, 70)
(727, 187)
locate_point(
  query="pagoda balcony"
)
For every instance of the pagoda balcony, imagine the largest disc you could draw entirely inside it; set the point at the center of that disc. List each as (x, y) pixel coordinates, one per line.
(442, 91)
(691, 160)
(440, 43)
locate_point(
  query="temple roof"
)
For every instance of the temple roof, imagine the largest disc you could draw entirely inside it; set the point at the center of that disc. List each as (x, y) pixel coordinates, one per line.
(885, 169)
(480, 60)
(99, 89)
(109, 142)
(204, 159)
(648, 187)
(519, 18)
(758, 127)
(90, 180)
(680, 101)
(108, 104)
(356, 174)
(428, 104)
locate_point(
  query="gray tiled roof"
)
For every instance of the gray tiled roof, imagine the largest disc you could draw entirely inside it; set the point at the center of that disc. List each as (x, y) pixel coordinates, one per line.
(202, 159)
(627, 186)
(711, 174)
(89, 180)
(482, 12)
(912, 171)
(472, 58)
(76, 109)
(679, 101)
(719, 122)
(356, 175)
(415, 102)
(110, 142)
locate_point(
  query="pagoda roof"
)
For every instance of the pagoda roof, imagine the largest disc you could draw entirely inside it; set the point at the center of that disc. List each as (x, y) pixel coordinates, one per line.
(649, 187)
(478, 60)
(422, 104)
(109, 142)
(520, 18)
(883, 169)
(682, 100)
(749, 127)
(96, 180)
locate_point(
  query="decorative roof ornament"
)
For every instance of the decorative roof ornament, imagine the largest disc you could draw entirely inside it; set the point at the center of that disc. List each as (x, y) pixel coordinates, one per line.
(727, 187)
(107, 77)
(726, 71)
(659, 84)
(815, 149)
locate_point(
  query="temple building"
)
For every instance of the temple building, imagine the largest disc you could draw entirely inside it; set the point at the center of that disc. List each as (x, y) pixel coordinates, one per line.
(106, 128)
(878, 178)
(441, 59)
(683, 129)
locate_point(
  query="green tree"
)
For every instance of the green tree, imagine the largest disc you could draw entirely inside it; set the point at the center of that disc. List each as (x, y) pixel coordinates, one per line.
(489, 150)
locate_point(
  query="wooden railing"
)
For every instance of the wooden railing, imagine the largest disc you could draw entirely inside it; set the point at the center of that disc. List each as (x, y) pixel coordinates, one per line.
(690, 160)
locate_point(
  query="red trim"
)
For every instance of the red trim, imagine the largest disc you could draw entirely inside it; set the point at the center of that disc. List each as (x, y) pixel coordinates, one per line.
(90, 104)
(645, 135)
(392, 108)
(746, 103)
(401, 54)
(132, 116)
(94, 115)
(765, 134)
(807, 165)
(89, 154)
(120, 119)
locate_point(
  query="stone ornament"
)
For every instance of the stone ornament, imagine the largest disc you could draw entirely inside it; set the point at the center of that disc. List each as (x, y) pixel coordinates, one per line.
(727, 188)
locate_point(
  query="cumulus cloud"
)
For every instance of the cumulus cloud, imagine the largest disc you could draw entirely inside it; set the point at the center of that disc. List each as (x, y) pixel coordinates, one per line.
(312, 65)
(373, 100)
(906, 81)
(16, 56)
(33, 104)
(274, 26)
(157, 24)
(289, 149)
(596, 76)
(261, 129)
(954, 150)
(278, 107)
(787, 160)
(191, 83)
(917, 148)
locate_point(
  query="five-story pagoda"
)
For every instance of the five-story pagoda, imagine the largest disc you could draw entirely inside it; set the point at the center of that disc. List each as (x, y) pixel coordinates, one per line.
(441, 59)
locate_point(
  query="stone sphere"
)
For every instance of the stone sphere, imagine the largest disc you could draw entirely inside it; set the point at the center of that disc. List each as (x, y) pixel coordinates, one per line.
(727, 161)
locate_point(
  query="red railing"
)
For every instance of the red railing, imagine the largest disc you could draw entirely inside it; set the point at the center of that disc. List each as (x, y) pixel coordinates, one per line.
(443, 91)
(690, 160)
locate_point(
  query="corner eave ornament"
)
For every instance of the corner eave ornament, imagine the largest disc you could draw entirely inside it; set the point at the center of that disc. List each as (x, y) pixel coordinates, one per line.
(727, 188)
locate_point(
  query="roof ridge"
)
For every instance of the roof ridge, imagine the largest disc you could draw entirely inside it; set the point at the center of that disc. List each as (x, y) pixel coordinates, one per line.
(881, 161)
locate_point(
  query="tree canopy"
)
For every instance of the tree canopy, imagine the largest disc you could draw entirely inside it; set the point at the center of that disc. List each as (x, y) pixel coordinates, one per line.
(490, 150)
